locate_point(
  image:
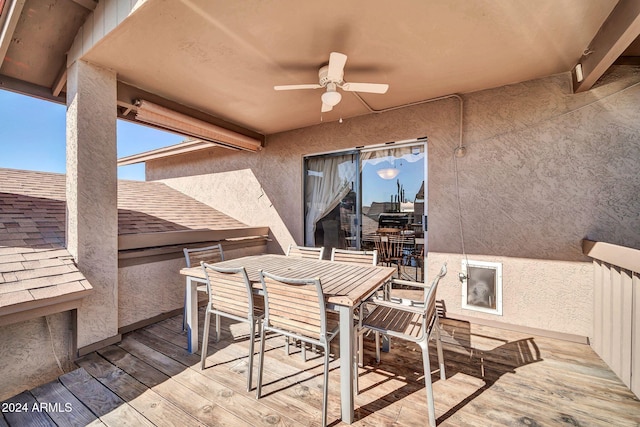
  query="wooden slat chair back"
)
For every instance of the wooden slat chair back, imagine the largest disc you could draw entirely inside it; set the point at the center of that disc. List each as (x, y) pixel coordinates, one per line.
(305, 252)
(355, 257)
(193, 257)
(380, 243)
(209, 254)
(413, 321)
(231, 296)
(296, 308)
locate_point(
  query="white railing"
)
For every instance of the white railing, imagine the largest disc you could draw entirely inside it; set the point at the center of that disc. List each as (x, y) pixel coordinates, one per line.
(616, 321)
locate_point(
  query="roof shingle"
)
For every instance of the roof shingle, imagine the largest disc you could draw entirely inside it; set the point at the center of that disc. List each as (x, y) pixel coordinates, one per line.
(34, 263)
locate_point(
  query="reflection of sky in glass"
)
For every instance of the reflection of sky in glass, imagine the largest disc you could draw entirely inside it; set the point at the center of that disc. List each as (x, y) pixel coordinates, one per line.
(376, 189)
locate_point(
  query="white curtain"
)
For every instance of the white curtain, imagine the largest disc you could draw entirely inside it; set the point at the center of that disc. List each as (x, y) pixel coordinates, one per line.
(328, 181)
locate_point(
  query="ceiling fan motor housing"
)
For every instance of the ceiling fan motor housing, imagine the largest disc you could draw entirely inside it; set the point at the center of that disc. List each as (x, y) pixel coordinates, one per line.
(324, 78)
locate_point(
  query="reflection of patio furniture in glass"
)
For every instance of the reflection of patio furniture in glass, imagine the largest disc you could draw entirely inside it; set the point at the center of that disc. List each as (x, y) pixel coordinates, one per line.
(413, 321)
(193, 258)
(296, 308)
(305, 252)
(231, 296)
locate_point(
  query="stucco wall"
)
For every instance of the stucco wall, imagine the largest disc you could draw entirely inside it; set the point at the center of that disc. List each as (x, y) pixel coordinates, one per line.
(545, 168)
(148, 288)
(26, 354)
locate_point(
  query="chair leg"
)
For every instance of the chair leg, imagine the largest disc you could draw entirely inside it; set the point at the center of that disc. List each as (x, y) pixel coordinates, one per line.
(325, 387)
(217, 327)
(205, 337)
(260, 363)
(184, 314)
(252, 337)
(377, 347)
(424, 345)
(436, 327)
(356, 360)
(360, 349)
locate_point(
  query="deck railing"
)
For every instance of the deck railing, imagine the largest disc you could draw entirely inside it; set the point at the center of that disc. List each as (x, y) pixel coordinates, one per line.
(616, 327)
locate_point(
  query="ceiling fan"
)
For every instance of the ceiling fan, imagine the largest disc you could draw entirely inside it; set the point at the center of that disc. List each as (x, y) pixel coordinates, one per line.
(331, 78)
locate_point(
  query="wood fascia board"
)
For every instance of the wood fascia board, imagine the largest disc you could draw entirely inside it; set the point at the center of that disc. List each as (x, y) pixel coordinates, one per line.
(30, 89)
(8, 25)
(621, 256)
(183, 147)
(151, 240)
(41, 307)
(618, 31)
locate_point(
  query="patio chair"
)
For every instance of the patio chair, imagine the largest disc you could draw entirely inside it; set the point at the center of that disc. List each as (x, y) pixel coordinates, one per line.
(305, 252)
(355, 257)
(296, 309)
(230, 295)
(193, 257)
(413, 321)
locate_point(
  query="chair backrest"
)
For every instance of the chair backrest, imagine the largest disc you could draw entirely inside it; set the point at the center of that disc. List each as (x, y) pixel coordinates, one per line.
(397, 245)
(229, 290)
(295, 305)
(209, 254)
(305, 252)
(430, 297)
(355, 257)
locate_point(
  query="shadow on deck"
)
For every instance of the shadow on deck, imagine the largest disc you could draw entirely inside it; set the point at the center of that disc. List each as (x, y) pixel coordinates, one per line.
(495, 377)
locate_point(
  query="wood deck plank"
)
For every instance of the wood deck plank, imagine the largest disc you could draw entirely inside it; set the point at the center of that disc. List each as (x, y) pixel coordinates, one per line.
(66, 409)
(22, 410)
(112, 410)
(149, 402)
(495, 377)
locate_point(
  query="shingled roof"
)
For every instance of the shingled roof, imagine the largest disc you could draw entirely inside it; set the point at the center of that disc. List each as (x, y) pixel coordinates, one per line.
(34, 263)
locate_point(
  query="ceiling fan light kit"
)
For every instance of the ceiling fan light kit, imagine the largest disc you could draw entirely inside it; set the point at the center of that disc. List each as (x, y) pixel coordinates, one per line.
(330, 77)
(331, 97)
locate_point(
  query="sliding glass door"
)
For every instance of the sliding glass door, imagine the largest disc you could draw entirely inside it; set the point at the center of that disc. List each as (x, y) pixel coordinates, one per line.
(350, 195)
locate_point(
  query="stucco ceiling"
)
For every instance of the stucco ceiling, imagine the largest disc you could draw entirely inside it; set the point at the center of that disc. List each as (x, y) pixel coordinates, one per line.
(224, 57)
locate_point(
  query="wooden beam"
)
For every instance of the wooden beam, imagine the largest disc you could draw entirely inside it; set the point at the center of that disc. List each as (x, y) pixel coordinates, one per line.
(60, 81)
(30, 89)
(618, 31)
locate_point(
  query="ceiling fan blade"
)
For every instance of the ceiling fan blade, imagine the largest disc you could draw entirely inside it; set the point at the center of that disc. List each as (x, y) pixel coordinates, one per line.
(294, 87)
(365, 87)
(335, 70)
(326, 108)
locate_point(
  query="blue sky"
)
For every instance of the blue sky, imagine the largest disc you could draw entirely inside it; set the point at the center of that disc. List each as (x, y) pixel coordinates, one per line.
(32, 136)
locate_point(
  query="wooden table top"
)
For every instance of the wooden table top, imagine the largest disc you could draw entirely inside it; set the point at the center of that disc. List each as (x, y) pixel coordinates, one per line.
(342, 283)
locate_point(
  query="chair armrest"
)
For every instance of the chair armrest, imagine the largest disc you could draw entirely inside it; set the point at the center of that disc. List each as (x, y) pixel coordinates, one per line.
(410, 283)
(402, 306)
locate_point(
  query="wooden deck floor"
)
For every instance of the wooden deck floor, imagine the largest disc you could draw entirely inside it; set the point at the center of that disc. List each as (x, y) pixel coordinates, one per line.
(494, 378)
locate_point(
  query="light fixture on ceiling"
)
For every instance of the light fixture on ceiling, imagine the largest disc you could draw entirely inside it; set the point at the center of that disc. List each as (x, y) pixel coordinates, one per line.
(388, 173)
(331, 97)
(172, 120)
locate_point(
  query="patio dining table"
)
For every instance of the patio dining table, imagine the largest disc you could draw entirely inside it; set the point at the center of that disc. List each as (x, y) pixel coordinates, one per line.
(344, 286)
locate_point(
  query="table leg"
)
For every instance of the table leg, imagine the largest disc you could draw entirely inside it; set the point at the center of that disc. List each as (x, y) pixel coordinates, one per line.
(346, 363)
(192, 315)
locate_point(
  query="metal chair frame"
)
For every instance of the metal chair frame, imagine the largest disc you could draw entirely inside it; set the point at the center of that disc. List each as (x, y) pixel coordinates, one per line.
(306, 322)
(231, 296)
(193, 257)
(395, 317)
